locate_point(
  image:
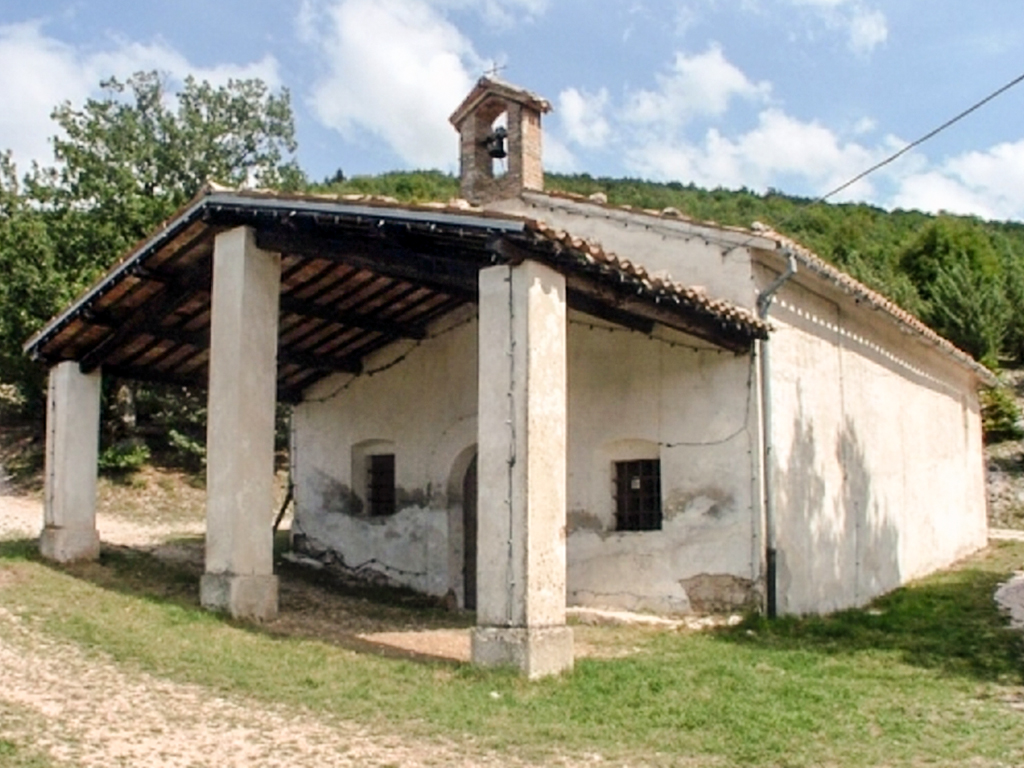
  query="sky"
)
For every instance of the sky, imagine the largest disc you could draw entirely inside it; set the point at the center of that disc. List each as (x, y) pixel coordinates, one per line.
(793, 95)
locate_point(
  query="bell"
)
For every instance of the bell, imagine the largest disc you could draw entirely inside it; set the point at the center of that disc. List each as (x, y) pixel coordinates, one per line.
(495, 143)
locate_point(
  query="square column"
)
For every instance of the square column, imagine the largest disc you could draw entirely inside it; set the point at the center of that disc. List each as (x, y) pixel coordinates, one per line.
(522, 471)
(72, 452)
(242, 394)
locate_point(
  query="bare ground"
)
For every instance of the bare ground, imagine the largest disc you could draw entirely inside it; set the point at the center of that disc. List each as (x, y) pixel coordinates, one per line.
(85, 710)
(1004, 464)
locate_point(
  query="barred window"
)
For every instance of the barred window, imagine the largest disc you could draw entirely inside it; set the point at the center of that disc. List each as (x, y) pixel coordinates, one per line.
(638, 495)
(380, 484)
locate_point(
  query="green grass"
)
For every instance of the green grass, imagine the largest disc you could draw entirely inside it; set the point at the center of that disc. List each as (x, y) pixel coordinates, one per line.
(18, 753)
(922, 677)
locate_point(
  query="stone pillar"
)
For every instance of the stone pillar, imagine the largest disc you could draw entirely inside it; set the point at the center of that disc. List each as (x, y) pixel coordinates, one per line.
(239, 574)
(72, 451)
(522, 471)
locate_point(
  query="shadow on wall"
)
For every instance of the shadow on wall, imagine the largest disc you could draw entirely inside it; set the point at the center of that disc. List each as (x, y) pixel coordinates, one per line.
(837, 547)
(877, 537)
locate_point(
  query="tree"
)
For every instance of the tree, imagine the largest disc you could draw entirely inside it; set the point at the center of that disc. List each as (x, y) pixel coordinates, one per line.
(125, 162)
(947, 242)
(32, 287)
(970, 309)
(959, 274)
(129, 160)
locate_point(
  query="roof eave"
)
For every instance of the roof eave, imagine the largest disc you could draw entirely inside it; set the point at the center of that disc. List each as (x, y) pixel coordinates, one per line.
(860, 292)
(212, 200)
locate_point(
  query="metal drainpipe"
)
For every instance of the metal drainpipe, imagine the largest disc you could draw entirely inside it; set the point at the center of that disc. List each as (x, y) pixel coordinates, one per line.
(764, 304)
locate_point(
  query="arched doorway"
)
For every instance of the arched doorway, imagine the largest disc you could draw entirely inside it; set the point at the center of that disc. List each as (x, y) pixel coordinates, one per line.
(469, 536)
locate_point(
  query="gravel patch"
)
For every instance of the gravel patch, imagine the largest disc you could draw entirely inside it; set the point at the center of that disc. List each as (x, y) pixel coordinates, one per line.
(86, 711)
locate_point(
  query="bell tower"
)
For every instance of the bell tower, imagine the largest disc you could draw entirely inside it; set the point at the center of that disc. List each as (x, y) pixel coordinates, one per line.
(499, 141)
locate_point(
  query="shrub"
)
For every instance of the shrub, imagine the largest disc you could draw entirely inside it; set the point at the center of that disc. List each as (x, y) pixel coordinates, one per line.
(190, 451)
(1000, 416)
(124, 457)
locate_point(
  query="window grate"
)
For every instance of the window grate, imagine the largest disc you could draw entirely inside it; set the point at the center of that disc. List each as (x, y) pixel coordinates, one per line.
(638, 495)
(380, 485)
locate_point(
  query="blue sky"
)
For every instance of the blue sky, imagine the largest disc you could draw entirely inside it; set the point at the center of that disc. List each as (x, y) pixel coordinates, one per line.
(798, 95)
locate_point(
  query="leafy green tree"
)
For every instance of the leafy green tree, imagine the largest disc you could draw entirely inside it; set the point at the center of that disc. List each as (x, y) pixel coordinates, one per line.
(970, 309)
(32, 287)
(124, 162)
(129, 159)
(1013, 288)
(959, 273)
(947, 242)
(407, 186)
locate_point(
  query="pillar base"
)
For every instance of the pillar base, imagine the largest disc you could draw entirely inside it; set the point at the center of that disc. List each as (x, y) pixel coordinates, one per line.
(244, 597)
(538, 651)
(65, 544)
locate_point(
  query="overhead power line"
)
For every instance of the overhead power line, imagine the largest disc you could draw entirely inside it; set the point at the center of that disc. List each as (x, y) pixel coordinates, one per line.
(922, 140)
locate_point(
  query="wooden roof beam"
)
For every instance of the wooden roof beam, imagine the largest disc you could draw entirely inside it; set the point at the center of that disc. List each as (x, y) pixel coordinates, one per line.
(451, 276)
(666, 313)
(319, 362)
(305, 309)
(146, 317)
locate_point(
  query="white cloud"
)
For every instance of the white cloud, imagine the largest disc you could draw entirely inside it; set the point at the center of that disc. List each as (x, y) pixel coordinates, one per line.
(38, 72)
(865, 125)
(394, 68)
(987, 183)
(686, 17)
(131, 57)
(933, 192)
(701, 85)
(497, 13)
(827, 4)
(557, 156)
(866, 27)
(780, 146)
(582, 116)
(505, 13)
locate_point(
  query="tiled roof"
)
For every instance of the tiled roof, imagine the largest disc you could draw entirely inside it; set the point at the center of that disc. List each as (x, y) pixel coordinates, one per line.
(591, 253)
(357, 272)
(848, 285)
(812, 262)
(588, 252)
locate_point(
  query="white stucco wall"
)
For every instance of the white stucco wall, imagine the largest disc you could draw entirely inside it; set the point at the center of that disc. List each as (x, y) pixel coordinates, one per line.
(425, 406)
(691, 406)
(878, 472)
(630, 396)
(878, 469)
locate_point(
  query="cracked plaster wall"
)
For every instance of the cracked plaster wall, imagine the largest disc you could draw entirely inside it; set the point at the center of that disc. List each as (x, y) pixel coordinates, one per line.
(629, 395)
(691, 407)
(425, 407)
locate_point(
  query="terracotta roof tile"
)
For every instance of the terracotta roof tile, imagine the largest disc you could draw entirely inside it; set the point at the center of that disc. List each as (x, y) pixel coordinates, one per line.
(592, 253)
(487, 86)
(861, 292)
(815, 264)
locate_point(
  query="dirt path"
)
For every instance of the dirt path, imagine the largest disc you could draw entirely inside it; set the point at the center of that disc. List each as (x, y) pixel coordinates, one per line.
(84, 710)
(22, 516)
